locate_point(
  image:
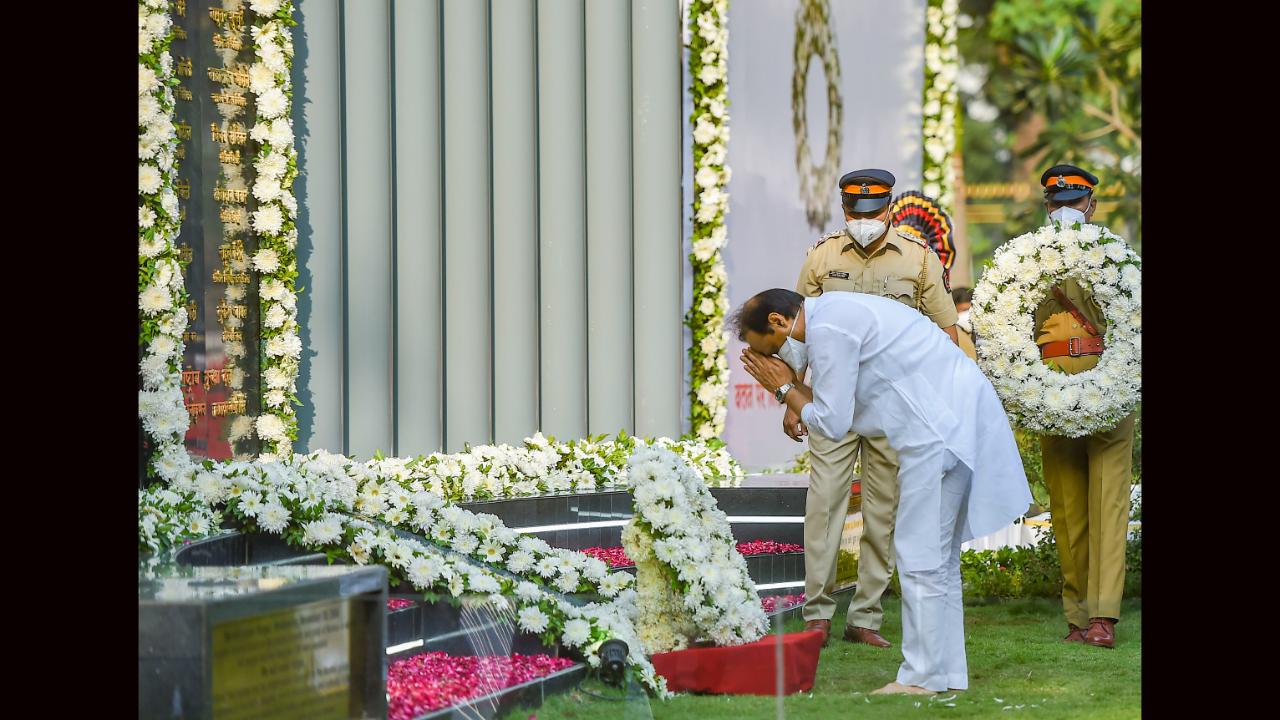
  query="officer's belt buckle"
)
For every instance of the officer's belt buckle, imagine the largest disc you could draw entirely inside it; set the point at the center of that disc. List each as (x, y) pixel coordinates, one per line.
(1074, 346)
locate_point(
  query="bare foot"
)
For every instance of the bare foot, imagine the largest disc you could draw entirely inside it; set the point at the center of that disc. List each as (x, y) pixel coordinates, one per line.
(896, 688)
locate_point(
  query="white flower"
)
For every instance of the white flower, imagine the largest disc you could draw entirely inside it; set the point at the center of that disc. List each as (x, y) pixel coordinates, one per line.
(576, 632)
(276, 377)
(169, 203)
(261, 78)
(154, 299)
(707, 178)
(281, 133)
(704, 132)
(274, 398)
(272, 103)
(147, 80)
(711, 73)
(260, 132)
(273, 517)
(148, 178)
(268, 220)
(715, 154)
(271, 427)
(532, 619)
(272, 166)
(266, 189)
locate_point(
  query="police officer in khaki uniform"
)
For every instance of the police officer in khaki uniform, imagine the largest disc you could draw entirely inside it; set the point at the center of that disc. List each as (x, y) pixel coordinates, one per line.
(867, 256)
(1088, 477)
(963, 298)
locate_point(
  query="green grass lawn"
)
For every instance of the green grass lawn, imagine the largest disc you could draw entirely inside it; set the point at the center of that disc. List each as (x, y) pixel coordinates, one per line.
(1017, 665)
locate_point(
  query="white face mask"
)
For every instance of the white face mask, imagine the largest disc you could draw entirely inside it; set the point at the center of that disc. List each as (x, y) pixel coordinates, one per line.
(793, 352)
(962, 320)
(865, 232)
(1067, 217)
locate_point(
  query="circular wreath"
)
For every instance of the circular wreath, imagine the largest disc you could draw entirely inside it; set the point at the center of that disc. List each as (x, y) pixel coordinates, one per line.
(813, 38)
(1021, 274)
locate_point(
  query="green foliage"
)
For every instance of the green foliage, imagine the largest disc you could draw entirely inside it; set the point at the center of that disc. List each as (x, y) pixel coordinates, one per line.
(1069, 72)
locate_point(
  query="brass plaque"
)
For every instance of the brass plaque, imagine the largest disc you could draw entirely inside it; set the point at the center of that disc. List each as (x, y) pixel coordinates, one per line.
(292, 664)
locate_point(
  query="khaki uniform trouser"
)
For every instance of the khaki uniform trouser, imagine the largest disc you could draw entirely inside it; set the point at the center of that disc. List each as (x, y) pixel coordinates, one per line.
(826, 507)
(1089, 480)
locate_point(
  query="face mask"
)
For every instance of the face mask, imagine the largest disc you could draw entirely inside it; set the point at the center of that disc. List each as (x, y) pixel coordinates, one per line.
(793, 352)
(1066, 216)
(865, 232)
(963, 321)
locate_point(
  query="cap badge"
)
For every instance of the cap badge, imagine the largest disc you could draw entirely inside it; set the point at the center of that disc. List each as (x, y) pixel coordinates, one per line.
(865, 191)
(1062, 181)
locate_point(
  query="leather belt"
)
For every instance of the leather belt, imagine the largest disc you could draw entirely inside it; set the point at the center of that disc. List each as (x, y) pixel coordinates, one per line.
(1074, 347)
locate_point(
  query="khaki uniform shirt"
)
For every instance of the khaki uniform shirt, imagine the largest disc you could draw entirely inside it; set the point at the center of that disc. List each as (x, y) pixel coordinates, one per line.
(893, 271)
(1054, 322)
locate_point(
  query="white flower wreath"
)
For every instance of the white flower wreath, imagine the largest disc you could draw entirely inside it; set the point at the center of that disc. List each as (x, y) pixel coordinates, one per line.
(691, 578)
(1022, 272)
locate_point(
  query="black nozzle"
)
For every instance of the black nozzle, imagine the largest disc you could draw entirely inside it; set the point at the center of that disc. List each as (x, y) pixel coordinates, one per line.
(613, 662)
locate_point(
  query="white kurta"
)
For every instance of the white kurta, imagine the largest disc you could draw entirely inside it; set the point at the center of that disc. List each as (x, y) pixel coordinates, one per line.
(882, 369)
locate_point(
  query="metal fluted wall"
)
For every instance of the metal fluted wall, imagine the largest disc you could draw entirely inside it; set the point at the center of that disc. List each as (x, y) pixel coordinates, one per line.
(490, 223)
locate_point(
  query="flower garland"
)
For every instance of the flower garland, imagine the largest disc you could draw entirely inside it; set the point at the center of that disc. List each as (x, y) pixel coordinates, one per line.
(361, 512)
(708, 67)
(276, 260)
(690, 577)
(1022, 272)
(161, 295)
(941, 66)
(814, 38)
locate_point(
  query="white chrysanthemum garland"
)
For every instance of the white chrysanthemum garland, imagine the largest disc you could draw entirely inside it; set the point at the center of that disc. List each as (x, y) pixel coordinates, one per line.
(709, 70)
(1022, 272)
(310, 500)
(941, 66)
(276, 259)
(161, 292)
(167, 518)
(678, 524)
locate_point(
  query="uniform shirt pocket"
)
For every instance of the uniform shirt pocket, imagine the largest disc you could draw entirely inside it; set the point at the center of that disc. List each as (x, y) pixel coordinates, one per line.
(904, 291)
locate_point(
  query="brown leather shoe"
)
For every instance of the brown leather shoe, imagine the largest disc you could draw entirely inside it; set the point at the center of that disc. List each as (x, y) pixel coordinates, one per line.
(1102, 632)
(1076, 634)
(823, 625)
(853, 633)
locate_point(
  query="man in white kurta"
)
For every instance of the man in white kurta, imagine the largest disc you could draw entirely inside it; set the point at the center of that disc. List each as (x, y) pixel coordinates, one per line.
(881, 369)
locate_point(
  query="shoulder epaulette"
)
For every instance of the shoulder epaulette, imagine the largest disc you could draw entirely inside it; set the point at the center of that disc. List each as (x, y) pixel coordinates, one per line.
(823, 239)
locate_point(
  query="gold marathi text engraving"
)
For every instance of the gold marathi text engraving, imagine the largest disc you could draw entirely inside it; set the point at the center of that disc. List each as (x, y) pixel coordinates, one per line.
(192, 309)
(232, 335)
(228, 156)
(222, 194)
(191, 336)
(228, 42)
(179, 34)
(229, 98)
(235, 134)
(237, 404)
(182, 8)
(182, 152)
(182, 93)
(184, 254)
(231, 251)
(184, 66)
(231, 278)
(233, 215)
(227, 20)
(197, 409)
(190, 377)
(184, 189)
(184, 130)
(239, 75)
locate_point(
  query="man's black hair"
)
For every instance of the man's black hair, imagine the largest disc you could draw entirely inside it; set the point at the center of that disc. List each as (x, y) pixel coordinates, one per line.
(962, 294)
(754, 313)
